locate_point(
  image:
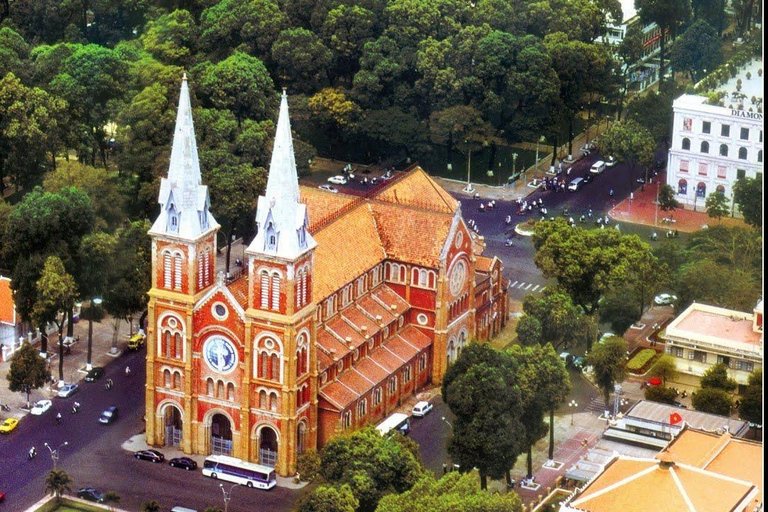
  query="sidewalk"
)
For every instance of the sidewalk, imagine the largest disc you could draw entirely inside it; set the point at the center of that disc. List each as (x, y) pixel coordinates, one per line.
(642, 210)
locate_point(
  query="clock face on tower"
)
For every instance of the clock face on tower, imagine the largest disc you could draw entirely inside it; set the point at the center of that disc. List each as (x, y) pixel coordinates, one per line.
(457, 277)
(220, 354)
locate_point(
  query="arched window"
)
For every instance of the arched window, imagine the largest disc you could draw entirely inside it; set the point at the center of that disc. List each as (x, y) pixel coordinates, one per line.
(264, 289)
(177, 272)
(263, 400)
(686, 144)
(176, 380)
(273, 402)
(301, 437)
(275, 292)
(220, 389)
(705, 147)
(701, 190)
(274, 367)
(209, 387)
(167, 343)
(167, 378)
(723, 149)
(207, 266)
(177, 343)
(742, 153)
(362, 408)
(346, 420)
(230, 392)
(682, 187)
(263, 365)
(720, 190)
(167, 270)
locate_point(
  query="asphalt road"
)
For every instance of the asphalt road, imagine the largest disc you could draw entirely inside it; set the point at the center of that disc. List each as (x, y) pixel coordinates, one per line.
(94, 457)
(433, 434)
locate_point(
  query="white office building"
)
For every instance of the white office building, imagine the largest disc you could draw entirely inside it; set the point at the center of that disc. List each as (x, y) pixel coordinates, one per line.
(713, 145)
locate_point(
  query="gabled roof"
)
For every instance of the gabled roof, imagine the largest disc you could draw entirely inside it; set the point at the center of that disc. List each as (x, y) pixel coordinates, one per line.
(418, 189)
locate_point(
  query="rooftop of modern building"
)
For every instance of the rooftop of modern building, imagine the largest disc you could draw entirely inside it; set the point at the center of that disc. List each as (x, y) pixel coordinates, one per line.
(726, 328)
(750, 87)
(656, 412)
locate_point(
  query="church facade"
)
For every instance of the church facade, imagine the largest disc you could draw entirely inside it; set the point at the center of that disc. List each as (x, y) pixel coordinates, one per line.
(348, 305)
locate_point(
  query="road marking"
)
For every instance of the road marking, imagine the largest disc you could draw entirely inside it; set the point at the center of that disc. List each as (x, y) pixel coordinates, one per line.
(534, 288)
(513, 284)
(528, 286)
(542, 290)
(521, 285)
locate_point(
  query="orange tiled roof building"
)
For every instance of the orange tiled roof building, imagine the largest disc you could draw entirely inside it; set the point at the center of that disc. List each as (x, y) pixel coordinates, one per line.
(347, 307)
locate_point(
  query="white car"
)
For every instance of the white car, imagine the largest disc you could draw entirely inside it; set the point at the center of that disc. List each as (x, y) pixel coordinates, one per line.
(664, 299)
(328, 188)
(605, 336)
(610, 161)
(337, 180)
(40, 407)
(67, 390)
(421, 409)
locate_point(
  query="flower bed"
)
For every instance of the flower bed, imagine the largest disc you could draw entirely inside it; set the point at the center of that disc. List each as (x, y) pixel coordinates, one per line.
(641, 360)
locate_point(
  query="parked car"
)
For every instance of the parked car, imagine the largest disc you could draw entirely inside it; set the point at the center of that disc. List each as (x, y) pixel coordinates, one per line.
(94, 374)
(338, 180)
(109, 415)
(90, 494)
(150, 455)
(328, 188)
(587, 178)
(67, 390)
(610, 161)
(40, 407)
(566, 358)
(664, 298)
(597, 167)
(421, 409)
(8, 425)
(183, 463)
(578, 362)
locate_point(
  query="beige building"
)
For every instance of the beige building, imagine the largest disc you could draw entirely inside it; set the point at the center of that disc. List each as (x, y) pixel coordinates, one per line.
(704, 335)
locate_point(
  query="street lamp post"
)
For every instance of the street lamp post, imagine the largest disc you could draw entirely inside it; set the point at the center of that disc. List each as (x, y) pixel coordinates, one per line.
(469, 166)
(227, 495)
(55, 453)
(572, 405)
(514, 164)
(97, 301)
(447, 422)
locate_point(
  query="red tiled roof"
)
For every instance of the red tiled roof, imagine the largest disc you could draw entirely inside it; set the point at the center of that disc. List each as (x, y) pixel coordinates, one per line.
(360, 320)
(415, 337)
(331, 345)
(388, 297)
(375, 309)
(347, 333)
(338, 395)
(386, 359)
(371, 370)
(401, 348)
(239, 289)
(420, 190)
(322, 204)
(324, 361)
(483, 264)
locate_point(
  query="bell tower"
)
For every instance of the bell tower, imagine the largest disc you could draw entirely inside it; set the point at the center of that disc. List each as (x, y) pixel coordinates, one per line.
(183, 267)
(280, 314)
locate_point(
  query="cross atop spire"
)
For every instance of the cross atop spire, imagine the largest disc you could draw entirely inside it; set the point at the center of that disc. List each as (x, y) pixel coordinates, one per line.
(280, 217)
(183, 198)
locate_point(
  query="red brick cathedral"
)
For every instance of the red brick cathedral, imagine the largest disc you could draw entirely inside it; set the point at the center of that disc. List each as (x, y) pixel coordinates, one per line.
(347, 307)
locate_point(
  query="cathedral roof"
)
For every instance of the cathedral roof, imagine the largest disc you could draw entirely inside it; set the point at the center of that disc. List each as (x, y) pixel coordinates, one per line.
(184, 203)
(418, 189)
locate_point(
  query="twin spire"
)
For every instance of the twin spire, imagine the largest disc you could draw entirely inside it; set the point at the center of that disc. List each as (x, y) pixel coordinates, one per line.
(281, 219)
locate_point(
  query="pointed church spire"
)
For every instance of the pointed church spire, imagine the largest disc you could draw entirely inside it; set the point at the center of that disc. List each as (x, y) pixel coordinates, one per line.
(283, 182)
(183, 198)
(280, 218)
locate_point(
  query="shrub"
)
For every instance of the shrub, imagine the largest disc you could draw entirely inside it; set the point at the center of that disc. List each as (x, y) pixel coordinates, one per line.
(661, 394)
(308, 465)
(641, 359)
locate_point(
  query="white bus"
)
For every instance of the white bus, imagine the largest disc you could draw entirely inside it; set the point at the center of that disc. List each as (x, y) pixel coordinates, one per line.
(398, 421)
(239, 472)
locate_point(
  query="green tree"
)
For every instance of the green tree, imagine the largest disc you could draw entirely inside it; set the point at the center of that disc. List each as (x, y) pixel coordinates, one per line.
(230, 23)
(653, 110)
(711, 11)
(748, 194)
(713, 283)
(240, 83)
(150, 506)
(28, 119)
(481, 390)
(97, 252)
(234, 192)
(28, 371)
(329, 499)
(308, 465)
(751, 406)
(743, 12)
(696, 50)
(561, 323)
(528, 331)
(735, 247)
(713, 401)
(172, 38)
(668, 15)
(14, 53)
(105, 194)
(629, 141)
(345, 31)
(302, 59)
(58, 482)
(717, 377)
(370, 464)
(92, 78)
(630, 51)
(661, 394)
(717, 206)
(607, 361)
(667, 200)
(454, 491)
(336, 114)
(665, 368)
(57, 292)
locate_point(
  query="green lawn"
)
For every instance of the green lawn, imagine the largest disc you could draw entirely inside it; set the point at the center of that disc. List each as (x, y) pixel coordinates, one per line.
(641, 359)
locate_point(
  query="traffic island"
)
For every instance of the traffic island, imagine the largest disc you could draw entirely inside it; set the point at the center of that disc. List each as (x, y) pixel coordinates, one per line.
(526, 228)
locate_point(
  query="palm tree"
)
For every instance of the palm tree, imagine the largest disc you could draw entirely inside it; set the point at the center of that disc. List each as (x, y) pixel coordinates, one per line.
(150, 506)
(110, 498)
(58, 482)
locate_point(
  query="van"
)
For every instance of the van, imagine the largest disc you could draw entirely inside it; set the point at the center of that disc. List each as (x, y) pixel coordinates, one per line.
(182, 509)
(576, 184)
(597, 167)
(136, 341)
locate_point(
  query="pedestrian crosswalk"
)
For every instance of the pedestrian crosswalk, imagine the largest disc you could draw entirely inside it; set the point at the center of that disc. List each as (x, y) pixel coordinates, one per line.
(527, 287)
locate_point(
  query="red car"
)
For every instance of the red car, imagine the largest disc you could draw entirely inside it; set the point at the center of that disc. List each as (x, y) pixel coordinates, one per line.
(2, 495)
